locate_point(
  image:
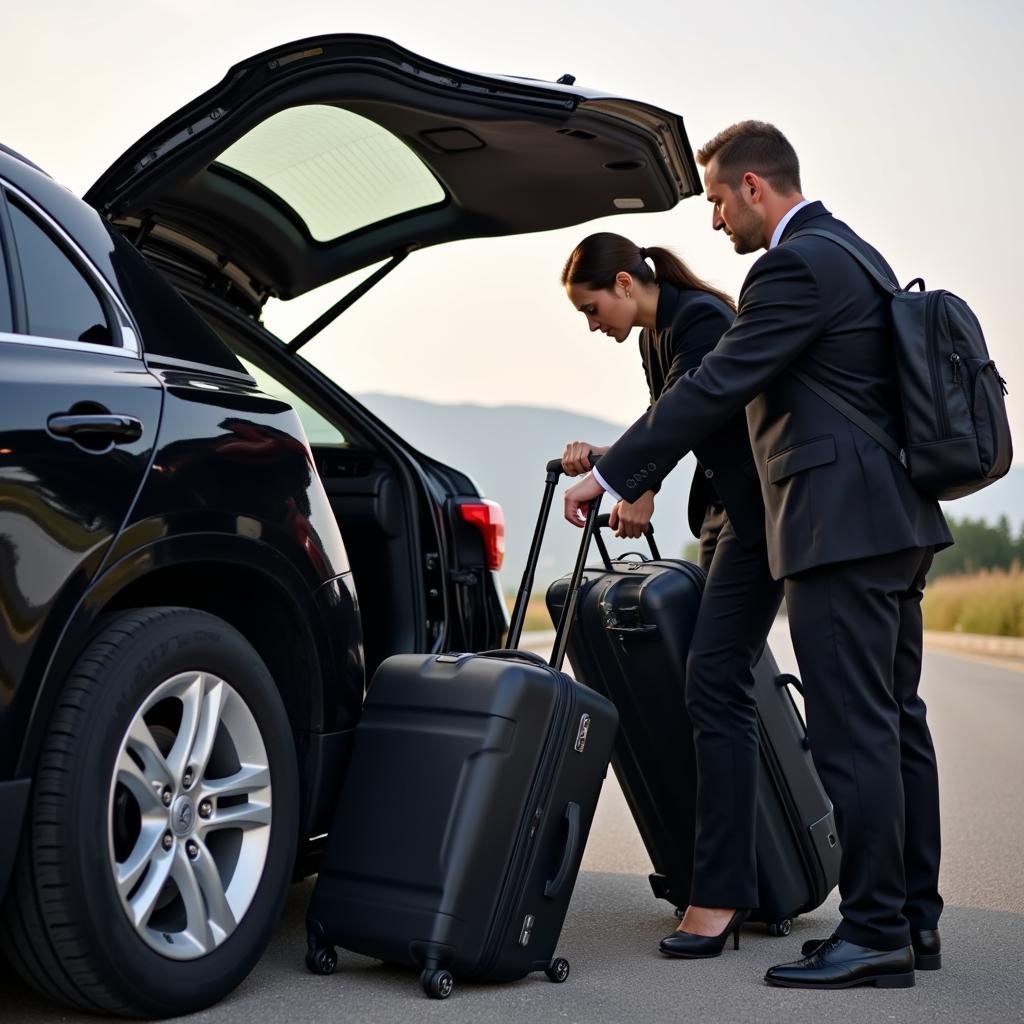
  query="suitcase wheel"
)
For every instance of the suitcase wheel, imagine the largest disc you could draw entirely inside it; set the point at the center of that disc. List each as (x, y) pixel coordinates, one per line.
(437, 984)
(780, 929)
(320, 955)
(557, 970)
(322, 960)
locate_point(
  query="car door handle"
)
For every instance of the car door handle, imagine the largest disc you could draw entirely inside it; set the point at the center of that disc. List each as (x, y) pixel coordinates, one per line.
(117, 428)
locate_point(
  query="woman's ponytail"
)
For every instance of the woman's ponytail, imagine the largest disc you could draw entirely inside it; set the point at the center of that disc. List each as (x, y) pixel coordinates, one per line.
(599, 257)
(669, 267)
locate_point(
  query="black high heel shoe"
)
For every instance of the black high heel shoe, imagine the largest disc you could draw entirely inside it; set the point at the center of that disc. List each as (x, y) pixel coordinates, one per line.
(688, 946)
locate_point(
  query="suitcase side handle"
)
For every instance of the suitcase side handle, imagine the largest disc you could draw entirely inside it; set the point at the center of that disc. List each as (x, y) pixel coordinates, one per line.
(786, 681)
(789, 680)
(553, 888)
(516, 655)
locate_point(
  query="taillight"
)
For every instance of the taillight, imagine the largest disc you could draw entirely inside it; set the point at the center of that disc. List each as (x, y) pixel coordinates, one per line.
(489, 519)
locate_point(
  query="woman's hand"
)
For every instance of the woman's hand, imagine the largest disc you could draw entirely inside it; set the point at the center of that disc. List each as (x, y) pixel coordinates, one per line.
(631, 519)
(575, 458)
(578, 498)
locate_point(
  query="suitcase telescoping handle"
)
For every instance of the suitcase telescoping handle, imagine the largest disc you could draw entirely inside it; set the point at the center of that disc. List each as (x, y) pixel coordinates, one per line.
(553, 472)
(602, 524)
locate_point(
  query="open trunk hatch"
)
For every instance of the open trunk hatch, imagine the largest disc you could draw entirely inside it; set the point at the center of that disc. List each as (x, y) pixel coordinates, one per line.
(318, 158)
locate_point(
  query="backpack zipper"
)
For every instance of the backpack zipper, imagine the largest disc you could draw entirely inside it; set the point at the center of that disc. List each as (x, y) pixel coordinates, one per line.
(931, 317)
(963, 379)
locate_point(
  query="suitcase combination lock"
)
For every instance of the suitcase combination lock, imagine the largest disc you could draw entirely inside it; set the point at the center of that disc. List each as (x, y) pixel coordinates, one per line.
(626, 621)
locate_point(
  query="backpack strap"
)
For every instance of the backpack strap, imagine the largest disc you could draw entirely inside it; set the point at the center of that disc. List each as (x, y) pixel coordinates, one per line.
(822, 390)
(854, 415)
(879, 278)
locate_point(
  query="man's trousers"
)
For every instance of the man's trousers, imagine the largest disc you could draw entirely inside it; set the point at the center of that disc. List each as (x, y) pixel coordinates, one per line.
(857, 633)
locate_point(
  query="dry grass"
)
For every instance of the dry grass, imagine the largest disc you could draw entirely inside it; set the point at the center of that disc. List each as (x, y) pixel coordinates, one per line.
(990, 601)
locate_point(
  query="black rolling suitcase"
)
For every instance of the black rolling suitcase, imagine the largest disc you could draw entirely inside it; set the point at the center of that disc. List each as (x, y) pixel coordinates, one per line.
(635, 619)
(462, 820)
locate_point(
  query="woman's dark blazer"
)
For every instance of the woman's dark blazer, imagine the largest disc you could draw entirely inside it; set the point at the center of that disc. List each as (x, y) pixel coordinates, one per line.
(688, 325)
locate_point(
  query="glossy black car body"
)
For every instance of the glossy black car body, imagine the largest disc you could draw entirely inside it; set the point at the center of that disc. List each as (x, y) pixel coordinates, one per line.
(217, 505)
(142, 464)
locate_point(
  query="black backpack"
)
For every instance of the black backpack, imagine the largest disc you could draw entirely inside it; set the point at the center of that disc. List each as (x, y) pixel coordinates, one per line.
(954, 413)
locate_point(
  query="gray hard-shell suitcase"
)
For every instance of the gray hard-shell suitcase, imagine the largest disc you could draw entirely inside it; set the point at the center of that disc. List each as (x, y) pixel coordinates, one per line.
(635, 619)
(462, 820)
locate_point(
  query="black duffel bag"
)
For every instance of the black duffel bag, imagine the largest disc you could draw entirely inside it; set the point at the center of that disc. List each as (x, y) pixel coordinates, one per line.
(957, 435)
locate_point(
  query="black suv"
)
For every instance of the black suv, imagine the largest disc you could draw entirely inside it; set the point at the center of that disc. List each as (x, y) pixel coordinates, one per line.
(192, 593)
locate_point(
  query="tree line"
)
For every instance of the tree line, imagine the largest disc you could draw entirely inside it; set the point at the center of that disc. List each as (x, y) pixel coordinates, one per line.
(979, 545)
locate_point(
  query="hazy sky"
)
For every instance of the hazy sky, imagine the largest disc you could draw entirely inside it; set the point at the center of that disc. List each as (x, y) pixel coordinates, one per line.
(905, 116)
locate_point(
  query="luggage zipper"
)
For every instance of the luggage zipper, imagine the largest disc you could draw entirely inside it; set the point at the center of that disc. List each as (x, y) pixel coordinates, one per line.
(690, 569)
(931, 322)
(995, 370)
(537, 802)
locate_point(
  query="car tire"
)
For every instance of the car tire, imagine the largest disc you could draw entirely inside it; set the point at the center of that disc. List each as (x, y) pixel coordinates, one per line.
(96, 850)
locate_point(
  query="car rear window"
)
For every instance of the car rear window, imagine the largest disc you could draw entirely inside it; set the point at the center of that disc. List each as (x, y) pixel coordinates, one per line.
(319, 430)
(169, 325)
(337, 170)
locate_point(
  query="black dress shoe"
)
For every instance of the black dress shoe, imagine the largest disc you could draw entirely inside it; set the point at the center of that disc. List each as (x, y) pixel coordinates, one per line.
(688, 946)
(927, 949)
(839, 964)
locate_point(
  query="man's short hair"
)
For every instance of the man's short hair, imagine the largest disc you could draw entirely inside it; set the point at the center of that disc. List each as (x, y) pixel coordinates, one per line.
(754, 146)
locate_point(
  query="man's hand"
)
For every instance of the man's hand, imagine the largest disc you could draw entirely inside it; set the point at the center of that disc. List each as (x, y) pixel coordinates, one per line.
(630, 520)
(575, 458)
(578, 499)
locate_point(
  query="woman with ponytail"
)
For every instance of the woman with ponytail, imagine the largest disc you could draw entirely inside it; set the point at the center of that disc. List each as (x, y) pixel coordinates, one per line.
(618, 285)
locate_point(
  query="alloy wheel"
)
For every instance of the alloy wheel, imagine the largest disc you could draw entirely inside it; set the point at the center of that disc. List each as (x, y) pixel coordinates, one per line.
(189, 815)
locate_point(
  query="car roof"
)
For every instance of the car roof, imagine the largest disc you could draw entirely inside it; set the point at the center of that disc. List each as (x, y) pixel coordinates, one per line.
(77, 218)
(24, 159)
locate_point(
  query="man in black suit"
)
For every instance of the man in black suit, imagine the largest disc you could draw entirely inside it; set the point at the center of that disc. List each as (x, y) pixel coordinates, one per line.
(847, 533)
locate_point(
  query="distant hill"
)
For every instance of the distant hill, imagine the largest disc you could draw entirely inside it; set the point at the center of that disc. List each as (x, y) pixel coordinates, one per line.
(504, 449)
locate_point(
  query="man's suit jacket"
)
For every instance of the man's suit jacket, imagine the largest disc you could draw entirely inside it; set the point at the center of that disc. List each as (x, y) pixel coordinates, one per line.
(831, 492)
(689, 324)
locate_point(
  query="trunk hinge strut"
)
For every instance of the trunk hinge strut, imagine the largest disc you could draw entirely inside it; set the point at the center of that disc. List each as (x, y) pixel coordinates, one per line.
(343, 303)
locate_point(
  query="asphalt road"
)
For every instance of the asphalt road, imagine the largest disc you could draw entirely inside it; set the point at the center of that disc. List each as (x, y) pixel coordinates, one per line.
(610, 936)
